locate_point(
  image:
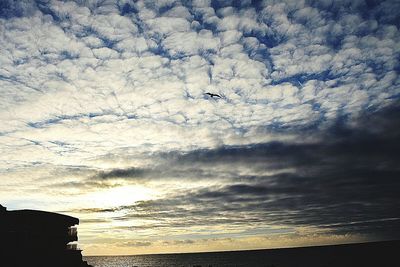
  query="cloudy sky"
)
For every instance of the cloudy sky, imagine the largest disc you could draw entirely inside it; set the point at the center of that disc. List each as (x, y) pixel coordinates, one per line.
(104, 117)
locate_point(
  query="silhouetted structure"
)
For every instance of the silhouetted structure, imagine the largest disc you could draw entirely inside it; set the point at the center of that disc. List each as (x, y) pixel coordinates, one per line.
(37, 238)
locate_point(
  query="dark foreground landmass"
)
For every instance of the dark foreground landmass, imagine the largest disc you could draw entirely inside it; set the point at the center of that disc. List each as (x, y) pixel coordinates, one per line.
(374, 254)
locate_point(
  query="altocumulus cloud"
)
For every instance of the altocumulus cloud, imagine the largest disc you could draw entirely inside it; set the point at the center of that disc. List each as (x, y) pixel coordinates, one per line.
(97, 94)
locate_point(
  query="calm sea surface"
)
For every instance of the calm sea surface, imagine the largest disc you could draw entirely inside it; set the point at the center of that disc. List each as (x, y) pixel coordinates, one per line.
(222, 259)
(351, 255)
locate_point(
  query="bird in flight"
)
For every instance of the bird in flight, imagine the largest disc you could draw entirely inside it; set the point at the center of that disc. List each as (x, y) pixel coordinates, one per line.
(212, 95)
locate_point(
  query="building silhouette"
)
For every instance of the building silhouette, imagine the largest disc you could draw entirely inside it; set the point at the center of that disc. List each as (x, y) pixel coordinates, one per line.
(38, 239)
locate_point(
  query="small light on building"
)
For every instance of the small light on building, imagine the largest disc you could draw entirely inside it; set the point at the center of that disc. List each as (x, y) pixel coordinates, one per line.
(72, 246)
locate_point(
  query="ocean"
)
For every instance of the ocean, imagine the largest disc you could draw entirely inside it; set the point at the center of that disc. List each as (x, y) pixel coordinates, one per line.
(222, 259)
(351, 255)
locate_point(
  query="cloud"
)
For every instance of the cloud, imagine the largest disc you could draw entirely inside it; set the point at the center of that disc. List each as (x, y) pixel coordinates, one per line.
(287, 65)
(136, 244)
(343, 183)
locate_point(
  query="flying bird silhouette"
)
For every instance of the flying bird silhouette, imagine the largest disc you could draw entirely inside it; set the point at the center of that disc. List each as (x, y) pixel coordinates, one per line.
(212, 95)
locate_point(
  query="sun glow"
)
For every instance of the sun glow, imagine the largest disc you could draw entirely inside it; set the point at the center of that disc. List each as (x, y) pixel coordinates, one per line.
(119, 196)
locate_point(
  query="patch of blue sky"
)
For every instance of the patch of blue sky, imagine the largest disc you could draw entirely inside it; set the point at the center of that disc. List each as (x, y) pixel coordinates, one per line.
(300, 79)
(61, 118)
(127, 9)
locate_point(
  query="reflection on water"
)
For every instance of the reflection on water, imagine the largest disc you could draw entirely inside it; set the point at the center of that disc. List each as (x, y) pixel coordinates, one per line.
(203, 260)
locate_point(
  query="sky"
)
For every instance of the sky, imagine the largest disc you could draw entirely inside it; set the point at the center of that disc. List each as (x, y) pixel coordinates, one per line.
(104, 117)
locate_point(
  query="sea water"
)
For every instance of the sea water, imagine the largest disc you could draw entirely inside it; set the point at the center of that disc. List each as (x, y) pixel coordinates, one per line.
(364, 255)
(223, 259)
